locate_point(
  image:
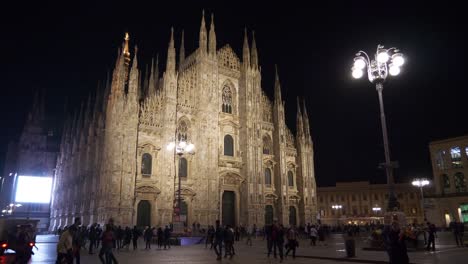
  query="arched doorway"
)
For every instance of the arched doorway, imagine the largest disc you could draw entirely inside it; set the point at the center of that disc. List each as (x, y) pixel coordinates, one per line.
(229, 208)
(144, 213)
(268, 215)
(292, 216)
(184, 212)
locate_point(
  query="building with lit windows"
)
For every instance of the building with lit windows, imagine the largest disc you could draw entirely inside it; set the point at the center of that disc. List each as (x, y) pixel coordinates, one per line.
(362, 202)
(448, 200)
(249, 168)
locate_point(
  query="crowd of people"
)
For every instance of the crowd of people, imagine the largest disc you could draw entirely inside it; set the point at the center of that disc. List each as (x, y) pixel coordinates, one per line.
(222, 239)
(74, 238)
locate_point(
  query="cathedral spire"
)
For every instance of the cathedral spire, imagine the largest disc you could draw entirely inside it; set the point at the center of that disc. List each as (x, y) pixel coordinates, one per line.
(277, 87)
(306, 121)
(203, 37)
(246, 50)
(170, 64)
(254, 58)
(212, 39)
(299, 122)
(146, 79)
(182, 51)
(134, 75)
(126, 50)
(152, 80)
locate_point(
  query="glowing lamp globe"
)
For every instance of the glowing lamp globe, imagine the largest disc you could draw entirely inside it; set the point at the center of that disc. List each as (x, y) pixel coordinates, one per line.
(398, 60)
(394, 70)
(382, 57)
(359, 63)
(357, 73)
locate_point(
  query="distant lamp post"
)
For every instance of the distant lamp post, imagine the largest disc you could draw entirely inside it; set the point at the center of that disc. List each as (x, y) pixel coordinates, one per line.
(386, 61)
(376, 210)
(337, 207)
(421, 183)
(10, 208)
(180, 148)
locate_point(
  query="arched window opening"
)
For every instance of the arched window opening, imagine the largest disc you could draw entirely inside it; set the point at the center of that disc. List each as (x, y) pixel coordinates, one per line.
(228, 146)
(182, 131)
(455, 154)
(146, 167)
(227, 100)
(267, 176)
(267, 145)
(183, 168)
(460, 184)
(290, 179)
(445, 181)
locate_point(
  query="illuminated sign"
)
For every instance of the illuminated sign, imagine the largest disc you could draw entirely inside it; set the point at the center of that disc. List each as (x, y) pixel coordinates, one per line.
(33, 189)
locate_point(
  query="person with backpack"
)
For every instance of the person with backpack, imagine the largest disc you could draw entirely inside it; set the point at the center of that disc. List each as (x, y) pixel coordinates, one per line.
(292, 241)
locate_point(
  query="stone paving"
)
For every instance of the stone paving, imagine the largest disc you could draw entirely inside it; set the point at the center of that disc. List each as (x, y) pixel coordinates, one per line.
(333, 252)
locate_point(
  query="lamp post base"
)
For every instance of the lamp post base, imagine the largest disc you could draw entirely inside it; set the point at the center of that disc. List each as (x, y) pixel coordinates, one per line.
(178, 227)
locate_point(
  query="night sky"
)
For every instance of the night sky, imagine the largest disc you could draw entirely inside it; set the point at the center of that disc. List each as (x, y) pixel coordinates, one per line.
(66, 49)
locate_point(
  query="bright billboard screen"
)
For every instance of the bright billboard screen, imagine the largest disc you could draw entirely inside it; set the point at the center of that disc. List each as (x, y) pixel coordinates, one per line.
(33, 189)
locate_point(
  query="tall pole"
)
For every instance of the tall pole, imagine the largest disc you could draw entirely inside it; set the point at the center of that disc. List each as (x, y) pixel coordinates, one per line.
(422, 203)
(179, 198)
(392, 201)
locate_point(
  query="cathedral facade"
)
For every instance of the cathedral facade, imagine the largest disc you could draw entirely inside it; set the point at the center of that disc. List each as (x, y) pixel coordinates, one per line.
(247, 167)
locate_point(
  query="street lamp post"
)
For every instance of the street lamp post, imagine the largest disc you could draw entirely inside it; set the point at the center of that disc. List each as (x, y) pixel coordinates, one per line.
(180, 148)
(337, 207)
(386, 61)
(421, 183)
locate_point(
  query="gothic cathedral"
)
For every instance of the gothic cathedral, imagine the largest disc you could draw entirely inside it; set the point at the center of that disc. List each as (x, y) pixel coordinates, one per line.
(247, 167)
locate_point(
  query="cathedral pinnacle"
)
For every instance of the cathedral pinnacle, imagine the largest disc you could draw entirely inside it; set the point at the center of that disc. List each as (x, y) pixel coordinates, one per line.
(170, 63)
(254, 52)
(126, 50)
(246, 50)
(203, 35)
(182, 50)
(277, 86)
(212, 38)
(299, 121)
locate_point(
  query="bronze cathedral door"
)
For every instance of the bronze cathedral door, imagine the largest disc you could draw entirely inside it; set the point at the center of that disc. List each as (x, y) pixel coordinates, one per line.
(144, 213)
(229, 208)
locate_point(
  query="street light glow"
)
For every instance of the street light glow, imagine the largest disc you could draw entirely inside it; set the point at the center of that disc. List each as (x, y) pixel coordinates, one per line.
(357, 73)
(394, 70)
(398, 59)
(359, 63)
(420, 182)
(382, 57)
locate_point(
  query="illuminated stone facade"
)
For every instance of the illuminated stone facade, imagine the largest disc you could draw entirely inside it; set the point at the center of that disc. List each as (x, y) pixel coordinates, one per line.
(362, 202)
(449, 195)
(248, 167)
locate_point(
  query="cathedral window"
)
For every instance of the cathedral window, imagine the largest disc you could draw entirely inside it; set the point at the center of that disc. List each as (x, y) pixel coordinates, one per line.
(146, 161)
(228, 146)
(290, 179)
(267, 176)
(183, 168)
(460, 184)
(455, 154)
(182, 130)
(267, 145)
(227, 100)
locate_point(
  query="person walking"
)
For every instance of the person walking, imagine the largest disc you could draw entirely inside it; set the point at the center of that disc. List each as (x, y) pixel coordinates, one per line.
(167, 237)
(209, 237)
(65, 246)
(313, 235)
(135, 236)
(292, 241)
(250, 232)
(108, 237)
(461, 231)
(229, 237)
(78, 240)
(394, 238)
(148, 235)
(92, 238)
(431, 229)
(160, 236)
(218, 240)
